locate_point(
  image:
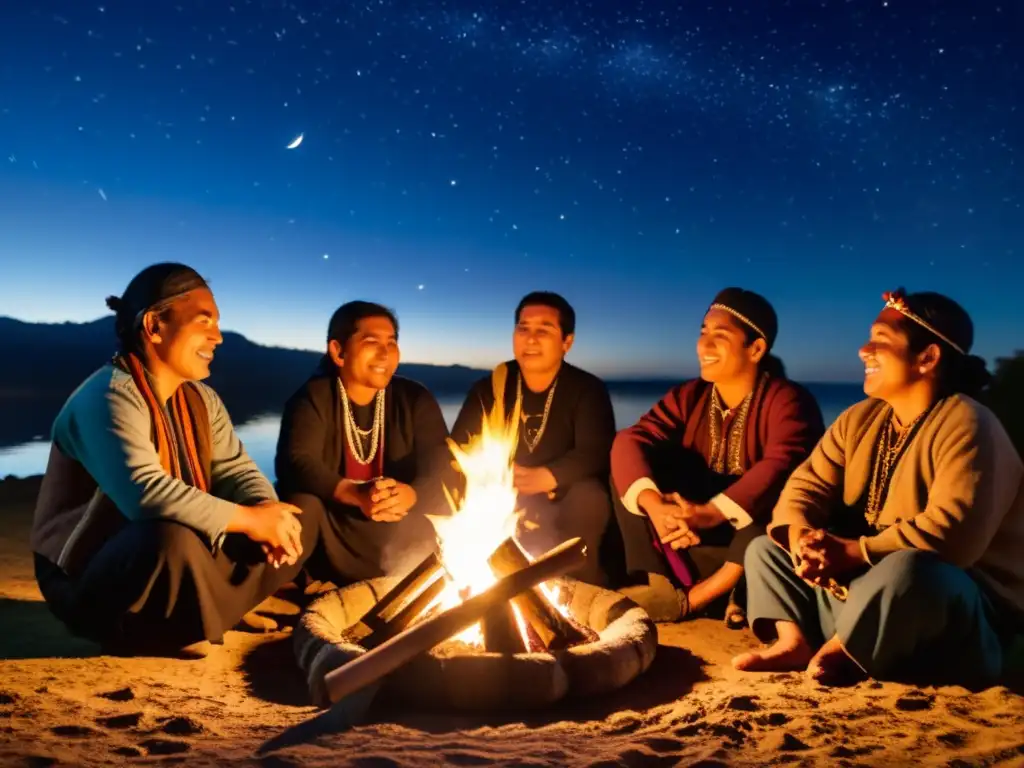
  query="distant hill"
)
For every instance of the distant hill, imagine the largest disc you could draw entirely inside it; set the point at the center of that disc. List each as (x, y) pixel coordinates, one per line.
(50, 359)
(42, 363)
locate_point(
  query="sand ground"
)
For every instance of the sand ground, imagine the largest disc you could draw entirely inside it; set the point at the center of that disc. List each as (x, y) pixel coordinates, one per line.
(63, 703)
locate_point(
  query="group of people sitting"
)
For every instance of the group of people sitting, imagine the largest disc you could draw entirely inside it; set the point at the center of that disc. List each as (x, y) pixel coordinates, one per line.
(888, 544)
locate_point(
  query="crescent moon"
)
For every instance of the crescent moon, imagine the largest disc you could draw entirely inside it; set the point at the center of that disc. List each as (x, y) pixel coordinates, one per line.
(296, 141)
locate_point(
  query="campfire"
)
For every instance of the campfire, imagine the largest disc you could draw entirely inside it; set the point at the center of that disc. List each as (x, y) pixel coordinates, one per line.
(480, 604)
(477, 547)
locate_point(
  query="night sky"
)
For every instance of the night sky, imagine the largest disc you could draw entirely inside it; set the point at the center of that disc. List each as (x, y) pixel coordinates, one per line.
(634, 156)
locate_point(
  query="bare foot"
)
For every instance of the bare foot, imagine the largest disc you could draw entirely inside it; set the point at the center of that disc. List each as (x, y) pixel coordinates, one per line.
(779, 657)
(256, 622)
(832, 665)
(199, 650)
(193, 651)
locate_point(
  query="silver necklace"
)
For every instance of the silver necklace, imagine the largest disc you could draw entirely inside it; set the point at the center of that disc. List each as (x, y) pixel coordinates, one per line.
(354, 434)
(531, 445)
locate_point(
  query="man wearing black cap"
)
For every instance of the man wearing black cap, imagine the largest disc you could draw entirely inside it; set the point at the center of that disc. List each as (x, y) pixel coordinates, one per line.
(895, 551)
(154, 531)
(698, 475)
(368, 448)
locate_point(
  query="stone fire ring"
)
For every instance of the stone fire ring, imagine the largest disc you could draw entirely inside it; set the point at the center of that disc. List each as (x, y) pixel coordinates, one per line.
(483, 681)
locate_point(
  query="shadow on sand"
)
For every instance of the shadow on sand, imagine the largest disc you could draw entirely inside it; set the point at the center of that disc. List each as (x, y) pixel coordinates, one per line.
(271, 673)
(30, 631)
(671, 676)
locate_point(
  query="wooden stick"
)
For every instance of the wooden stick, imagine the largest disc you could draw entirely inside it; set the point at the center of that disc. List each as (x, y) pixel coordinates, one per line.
(385, 609)
(555, 631)
(501, 631)
(408, 614)
(384, 659)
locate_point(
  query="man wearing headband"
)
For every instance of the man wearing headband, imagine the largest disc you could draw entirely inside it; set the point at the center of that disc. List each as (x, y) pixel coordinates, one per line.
(154, 531)
(367, 448)
(698, 475)
(566, 427)
(895, 551)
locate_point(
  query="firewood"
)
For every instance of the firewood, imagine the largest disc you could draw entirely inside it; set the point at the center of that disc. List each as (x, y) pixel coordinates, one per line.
(404, 618)
(555, 630)
(501, 631)
(385, 609)
(421, 637)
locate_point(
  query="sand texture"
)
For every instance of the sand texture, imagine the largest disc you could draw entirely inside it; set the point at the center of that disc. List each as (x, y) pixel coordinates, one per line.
(246, 704)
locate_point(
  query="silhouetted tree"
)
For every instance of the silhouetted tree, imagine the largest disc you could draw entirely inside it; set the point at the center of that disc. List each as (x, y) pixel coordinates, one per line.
(1005, 396)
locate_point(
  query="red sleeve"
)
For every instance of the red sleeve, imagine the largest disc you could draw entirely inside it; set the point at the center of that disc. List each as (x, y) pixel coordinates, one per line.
(794, 426)
(665, 422)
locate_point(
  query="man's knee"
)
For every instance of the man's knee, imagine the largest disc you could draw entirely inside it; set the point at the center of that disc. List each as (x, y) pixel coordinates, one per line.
(761, 551)
(589, 497)
(915, 573)
(307, 502)
(167, 538)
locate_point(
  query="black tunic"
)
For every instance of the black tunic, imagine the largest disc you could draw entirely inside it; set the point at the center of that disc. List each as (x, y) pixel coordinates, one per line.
(577, 439)
(310, 463)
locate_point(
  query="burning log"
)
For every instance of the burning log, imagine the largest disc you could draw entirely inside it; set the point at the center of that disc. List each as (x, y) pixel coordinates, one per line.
(501, 631)
(421, 637)
(380, 616)
(403, 619)
(556, 632)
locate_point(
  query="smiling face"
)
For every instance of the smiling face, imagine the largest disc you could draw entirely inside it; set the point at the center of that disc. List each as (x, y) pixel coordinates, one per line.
(890, 365)
(537, 342)
(723, 351)
(181, 338)
(370, 356)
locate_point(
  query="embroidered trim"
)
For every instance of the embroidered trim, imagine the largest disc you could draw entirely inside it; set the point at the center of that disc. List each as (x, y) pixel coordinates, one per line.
(733, 462)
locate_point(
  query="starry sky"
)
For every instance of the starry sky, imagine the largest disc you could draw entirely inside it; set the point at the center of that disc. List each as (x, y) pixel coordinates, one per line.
(636, 157)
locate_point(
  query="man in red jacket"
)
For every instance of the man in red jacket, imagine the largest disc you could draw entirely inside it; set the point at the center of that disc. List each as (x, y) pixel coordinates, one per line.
(698, 475)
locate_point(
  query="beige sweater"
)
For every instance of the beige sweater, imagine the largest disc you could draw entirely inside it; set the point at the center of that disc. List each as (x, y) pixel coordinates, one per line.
(958, 491)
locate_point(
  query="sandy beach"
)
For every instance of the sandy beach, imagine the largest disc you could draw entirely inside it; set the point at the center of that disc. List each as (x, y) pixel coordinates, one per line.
(61, 703)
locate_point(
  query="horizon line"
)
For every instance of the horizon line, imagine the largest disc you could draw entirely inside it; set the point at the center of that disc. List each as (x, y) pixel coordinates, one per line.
(619, 379)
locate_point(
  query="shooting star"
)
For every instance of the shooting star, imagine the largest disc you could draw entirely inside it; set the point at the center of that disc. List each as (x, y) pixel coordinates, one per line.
(296, 141)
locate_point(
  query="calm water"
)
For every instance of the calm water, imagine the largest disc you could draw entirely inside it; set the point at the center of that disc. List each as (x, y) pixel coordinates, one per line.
(260, 435)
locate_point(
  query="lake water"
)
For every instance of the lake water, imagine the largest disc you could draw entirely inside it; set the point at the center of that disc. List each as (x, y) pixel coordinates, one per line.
(260, 434)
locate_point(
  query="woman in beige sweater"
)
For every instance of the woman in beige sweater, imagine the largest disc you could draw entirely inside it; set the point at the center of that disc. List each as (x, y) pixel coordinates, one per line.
(895, 550)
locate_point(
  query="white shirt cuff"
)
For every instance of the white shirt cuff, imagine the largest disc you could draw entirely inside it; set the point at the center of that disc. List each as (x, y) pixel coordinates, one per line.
(737, 516)
(632, 495)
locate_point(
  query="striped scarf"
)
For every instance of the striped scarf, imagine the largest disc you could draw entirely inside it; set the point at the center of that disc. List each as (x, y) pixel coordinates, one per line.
(191, 423)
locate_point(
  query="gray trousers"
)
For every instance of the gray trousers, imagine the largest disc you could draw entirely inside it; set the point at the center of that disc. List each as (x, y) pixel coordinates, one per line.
(911, 616)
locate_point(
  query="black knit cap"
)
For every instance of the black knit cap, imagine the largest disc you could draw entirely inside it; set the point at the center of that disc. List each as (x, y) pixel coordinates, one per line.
(154, 286)
(751, 309)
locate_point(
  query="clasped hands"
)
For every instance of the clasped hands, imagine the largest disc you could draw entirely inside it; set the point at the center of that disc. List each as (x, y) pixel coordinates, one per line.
(676, 520)
(530, 481)
(385, 500)
(273, 525)
(820, 557)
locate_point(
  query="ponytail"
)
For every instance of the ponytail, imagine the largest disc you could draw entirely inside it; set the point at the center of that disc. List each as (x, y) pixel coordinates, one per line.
(967, 375)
